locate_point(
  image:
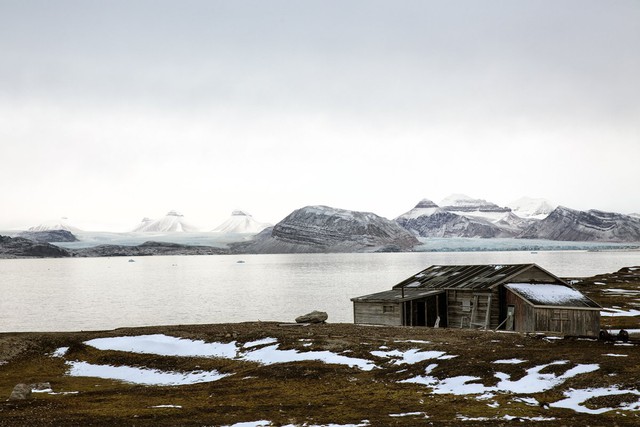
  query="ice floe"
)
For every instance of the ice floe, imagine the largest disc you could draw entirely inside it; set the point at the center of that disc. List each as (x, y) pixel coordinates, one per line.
(142, 376)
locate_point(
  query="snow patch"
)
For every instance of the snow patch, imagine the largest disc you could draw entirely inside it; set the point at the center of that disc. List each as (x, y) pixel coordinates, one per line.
(60, 352)
(410, 356)
(575, 399)
(533, 382)
(142, 376)
(171, 346)
(513, 361)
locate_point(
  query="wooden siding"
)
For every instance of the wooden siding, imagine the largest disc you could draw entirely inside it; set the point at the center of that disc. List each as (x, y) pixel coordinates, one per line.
(456, 316)
(373, 313)
(567, 321)
(524, 316)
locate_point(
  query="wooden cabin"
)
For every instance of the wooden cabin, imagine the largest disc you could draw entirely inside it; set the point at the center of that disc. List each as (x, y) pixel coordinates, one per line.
(516, 297)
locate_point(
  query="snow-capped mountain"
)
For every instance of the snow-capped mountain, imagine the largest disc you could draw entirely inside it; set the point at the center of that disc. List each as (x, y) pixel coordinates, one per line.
(143, 224)
(634, 215)
(527, 207)
(593, 225)
(469, 207)
(426, 219)
(241, 222)
(58, 224)
(326, 229)
(171, 222)
(425, 207)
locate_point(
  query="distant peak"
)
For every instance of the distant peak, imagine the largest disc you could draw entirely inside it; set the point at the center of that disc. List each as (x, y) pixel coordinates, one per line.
(425, 203)
(174, 213)
(240, 213)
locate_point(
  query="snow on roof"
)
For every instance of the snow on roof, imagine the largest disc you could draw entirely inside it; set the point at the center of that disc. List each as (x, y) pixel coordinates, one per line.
(551, 294)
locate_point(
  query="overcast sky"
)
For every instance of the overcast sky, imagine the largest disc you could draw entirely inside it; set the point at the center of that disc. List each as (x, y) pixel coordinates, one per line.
(115, 110)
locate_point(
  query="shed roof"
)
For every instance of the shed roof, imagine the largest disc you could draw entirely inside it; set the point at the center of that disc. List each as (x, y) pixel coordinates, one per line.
(467, 276)
(551, 295)
(396, 295)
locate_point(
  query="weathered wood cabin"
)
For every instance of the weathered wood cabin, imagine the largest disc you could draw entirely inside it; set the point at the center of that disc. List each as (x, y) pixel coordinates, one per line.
(516, 297)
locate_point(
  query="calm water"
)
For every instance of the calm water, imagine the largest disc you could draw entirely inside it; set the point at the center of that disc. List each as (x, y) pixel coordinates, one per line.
(105, 293)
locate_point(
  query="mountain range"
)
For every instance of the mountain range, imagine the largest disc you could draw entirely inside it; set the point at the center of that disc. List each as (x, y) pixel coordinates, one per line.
(328, 229)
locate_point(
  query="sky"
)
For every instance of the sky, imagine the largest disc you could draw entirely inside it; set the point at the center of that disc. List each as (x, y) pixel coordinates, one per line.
(111, 111)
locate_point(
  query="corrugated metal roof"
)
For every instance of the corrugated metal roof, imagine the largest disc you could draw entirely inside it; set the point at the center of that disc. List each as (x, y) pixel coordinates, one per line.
(396, 295)
(465, 276)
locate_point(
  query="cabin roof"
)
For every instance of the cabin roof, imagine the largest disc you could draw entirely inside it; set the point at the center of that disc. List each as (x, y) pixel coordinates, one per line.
(551, 295)
(396, 295)
(467, 276)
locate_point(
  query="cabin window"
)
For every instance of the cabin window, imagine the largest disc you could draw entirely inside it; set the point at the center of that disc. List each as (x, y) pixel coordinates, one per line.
(466, 304)
(560, 315)
(388, 309)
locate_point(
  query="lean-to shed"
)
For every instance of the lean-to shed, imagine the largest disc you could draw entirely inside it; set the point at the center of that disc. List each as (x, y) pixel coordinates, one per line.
(518, 297)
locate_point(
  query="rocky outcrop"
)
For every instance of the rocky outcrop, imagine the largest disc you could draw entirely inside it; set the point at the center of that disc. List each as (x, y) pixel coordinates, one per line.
(49, 236)
(19, 247)
(463, 203)
(593, 225)
(149, 249)
(316, 229)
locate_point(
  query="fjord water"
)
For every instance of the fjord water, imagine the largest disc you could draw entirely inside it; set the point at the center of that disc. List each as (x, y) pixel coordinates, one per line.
(105, 293)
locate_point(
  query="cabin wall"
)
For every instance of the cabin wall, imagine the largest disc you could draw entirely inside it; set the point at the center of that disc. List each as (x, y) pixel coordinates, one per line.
(459, 313)
(568, 321)
(524, 315)
(377, 313)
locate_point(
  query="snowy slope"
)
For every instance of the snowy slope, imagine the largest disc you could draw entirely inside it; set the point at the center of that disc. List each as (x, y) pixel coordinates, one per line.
(59, 224)
(593, 225)
(425, 207)
(426, 219)
(461, 204)
(527, 207)
(241, 222)
(172, 222)
(143, 224)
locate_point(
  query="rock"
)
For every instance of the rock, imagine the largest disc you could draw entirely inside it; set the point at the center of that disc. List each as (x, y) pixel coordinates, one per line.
(19, 247)
(20, 392)
(313, 317)
(49, 236)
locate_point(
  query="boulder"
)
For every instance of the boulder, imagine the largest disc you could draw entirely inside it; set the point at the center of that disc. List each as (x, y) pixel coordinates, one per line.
(313, 317)
(20, 392)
